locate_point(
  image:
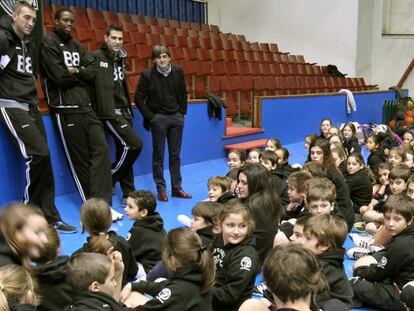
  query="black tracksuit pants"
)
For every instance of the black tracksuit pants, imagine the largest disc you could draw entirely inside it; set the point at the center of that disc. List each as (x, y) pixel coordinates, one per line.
(87, 152)
(380, 295)
(128, 146)
(27, 130)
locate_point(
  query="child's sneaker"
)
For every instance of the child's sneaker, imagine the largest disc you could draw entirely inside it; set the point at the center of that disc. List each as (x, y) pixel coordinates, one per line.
(259, 289)
(357, 252)
(115, 215)
(360, 226)
(185, 220)
(362, 240)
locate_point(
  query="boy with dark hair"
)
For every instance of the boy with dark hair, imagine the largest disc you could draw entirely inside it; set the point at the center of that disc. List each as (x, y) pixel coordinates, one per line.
(147, 233)
(269, 161)
(324, 235)
(218, 188)
(296, 192)
(379, 278)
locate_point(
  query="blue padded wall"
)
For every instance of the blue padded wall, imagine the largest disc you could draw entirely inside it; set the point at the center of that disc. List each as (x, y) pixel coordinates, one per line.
(289, 118)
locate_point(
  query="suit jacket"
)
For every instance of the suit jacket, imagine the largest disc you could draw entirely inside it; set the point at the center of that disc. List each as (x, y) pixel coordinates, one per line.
(148, 94)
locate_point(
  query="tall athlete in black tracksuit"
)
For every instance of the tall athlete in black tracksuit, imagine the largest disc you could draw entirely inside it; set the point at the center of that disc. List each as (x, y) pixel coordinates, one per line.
(19, 111)
(66, 69)
(111, 103)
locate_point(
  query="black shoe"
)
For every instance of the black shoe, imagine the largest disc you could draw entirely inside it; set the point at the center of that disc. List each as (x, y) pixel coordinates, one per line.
(64, 227)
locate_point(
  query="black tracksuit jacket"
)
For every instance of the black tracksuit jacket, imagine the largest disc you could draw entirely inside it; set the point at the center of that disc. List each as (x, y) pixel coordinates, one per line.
(360, 189)
(54, 286)
(182, 292)
(18, 77)
(65, 92)
(102, 91)
(395, 262)
(236, 270)
(332, 263)
(145, 239)
(351, 146)
(121, 245)
(374, 159)
(280, 186)
(94, 301)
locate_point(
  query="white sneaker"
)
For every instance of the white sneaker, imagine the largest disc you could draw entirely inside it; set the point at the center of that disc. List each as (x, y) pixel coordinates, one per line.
(357, 252)
(185, 220)
(115, 215)
(362, 240)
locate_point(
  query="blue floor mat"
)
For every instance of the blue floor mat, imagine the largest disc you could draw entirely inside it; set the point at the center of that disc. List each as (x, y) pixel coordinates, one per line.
(195, 178)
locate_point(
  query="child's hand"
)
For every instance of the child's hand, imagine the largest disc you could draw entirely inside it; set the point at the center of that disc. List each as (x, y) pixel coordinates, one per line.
(291, 206)
(126, 291)
(116, 258)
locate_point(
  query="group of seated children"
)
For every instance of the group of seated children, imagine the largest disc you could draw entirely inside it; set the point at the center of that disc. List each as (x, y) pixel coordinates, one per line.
(263, 215)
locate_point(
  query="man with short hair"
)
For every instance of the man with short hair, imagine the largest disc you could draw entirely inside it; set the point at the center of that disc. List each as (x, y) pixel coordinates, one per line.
(110, 100)
(161, 97)
(67, 69)
(19, 110)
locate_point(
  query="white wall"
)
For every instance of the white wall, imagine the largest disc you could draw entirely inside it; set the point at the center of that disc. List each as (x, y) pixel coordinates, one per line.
(347, 33)
(324, 31)
(381, 59)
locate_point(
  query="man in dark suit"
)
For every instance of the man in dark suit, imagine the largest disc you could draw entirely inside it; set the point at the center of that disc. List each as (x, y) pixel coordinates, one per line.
(161, 97)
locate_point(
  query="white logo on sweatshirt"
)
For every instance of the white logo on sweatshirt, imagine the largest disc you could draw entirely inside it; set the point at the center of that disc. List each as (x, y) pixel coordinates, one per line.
(382, 263)
(245, 263)
(128, 236)
(164, 295)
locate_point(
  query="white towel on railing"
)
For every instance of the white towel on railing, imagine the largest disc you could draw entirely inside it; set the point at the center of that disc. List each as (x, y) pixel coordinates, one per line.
(350, 100)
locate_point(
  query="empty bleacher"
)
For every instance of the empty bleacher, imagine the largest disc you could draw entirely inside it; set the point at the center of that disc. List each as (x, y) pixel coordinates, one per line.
(224, 64)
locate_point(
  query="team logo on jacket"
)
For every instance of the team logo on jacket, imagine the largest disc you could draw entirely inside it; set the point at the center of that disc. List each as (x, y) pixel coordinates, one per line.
(382, 263)
(8, 5)
(164, 295)
(128, 236)
(245, 263)
(218, 255)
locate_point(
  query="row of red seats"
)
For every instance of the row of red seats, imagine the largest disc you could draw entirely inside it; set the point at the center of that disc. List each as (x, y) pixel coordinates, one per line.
(224, 64)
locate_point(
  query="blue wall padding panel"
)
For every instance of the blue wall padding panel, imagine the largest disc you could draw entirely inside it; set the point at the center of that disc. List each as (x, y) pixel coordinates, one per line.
(290, 119)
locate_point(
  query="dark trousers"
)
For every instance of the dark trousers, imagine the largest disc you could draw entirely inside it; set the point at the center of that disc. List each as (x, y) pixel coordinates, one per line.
(87, 152)
(380, 295)
(170, 128)
(128, 146)
(27, 130)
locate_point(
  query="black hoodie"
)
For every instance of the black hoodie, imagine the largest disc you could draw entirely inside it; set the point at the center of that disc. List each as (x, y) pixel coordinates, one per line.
(55, 289)
(280, 186)
(145, 238)
(110, 90)
(24, 307)
(94, 301)
(395, 262)
(375, 159)
(332, 263)
(284, 170)
(18, 74)
(65, 92)
(7, 256)
(182, 292)
(360, 189)
(237, 266)
(351, 146)
(121, 245)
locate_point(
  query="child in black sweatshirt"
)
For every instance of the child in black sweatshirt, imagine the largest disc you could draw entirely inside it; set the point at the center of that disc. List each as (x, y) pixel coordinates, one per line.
(324, 235)
(52, 273)
(147, 233)
(236, 259)
(96, 219)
